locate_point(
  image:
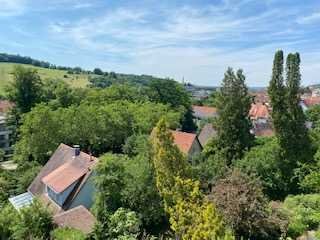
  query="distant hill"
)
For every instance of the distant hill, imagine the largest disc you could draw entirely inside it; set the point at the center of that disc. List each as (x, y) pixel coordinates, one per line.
(75, 76)
(76, 80)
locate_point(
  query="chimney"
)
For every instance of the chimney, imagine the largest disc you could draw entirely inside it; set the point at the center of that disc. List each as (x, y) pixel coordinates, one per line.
(76, 150)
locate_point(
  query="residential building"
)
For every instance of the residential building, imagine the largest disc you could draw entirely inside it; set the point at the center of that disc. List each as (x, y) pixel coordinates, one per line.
(259, 114)
(207, 133)
(188, 143)
(204, 112)
(261, 119)
(65, 184)
(308, 102)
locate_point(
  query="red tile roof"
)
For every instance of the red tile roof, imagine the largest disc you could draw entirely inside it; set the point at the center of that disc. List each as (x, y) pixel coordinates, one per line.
(183, 140)
(261, 97)
(259, 110)
(311, 101)
(204, 111)
(79, 218)
(61, 178)
(63, 156)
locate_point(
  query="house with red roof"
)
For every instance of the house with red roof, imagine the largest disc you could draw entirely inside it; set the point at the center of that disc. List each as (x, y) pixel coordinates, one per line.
(65, 184)
(261, 120)
(309, 101)
(207, 132)
(204, 112)
(188, 143)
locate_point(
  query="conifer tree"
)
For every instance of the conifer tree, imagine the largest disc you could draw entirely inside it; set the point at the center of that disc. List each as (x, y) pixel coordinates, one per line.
(277, 94)
(299, 147)
(233, 124)
(169, 161)
(191, 215)
(288, 117)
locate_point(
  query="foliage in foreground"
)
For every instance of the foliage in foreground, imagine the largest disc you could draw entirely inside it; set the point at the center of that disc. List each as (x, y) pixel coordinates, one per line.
(303, 212)
(32, 222)
(191, 216)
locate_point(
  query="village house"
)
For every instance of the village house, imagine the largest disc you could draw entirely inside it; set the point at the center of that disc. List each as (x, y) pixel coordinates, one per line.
(188, 143)
(309, 101)
(204, 112)
(65, 185)
(207, 132)
(261, 120)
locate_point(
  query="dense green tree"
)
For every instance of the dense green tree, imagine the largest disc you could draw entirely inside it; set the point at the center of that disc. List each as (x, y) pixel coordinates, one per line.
(299, 147)
(8, 217)
(26, 89)
(233, 124)
(172, 93)
(245, 209)
(311, 181)
(108, 181)
(210, 165)
(116, 92)
(182, 198)
(288, 118)
(124, 225)
(58, 92)
(140, 193)
(33, 222)
(190, 204)
(169, 161)
(134, 181)
(98, 71)
(98, 129)
(277, 93)
(303, 212)
(263, 161)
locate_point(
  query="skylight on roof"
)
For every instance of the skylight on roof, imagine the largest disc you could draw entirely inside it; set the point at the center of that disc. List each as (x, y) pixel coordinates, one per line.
(22, 200)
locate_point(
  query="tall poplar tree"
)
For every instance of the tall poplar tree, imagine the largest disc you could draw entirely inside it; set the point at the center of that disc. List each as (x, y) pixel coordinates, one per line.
(299, 147)
(288, 117)
(277, 94)
(233, 124)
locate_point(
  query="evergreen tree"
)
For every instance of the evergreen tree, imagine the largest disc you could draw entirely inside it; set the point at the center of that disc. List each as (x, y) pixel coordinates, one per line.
(169, 161)
(299, 147)
(288, 117)
(233, 124)
(277, 94)
(191, 215)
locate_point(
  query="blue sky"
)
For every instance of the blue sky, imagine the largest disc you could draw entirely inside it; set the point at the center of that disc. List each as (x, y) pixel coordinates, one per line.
(196, 39)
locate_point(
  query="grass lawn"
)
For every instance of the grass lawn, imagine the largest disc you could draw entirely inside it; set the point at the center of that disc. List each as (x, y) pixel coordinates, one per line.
(75, 80)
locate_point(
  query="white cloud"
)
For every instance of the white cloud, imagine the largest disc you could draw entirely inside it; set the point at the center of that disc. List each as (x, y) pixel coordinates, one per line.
(12, 7)
(313, 18)
(82, 5)
(195, 43)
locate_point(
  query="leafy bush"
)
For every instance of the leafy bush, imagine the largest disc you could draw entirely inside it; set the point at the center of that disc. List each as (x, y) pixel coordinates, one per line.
(303, 212)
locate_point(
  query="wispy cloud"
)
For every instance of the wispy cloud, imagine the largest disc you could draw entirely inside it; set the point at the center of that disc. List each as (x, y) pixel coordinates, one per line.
(12, 7)
(313, 18)
(174, 38)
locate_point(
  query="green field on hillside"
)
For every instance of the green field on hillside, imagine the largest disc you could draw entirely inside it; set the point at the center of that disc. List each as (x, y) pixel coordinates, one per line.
(76, 80)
